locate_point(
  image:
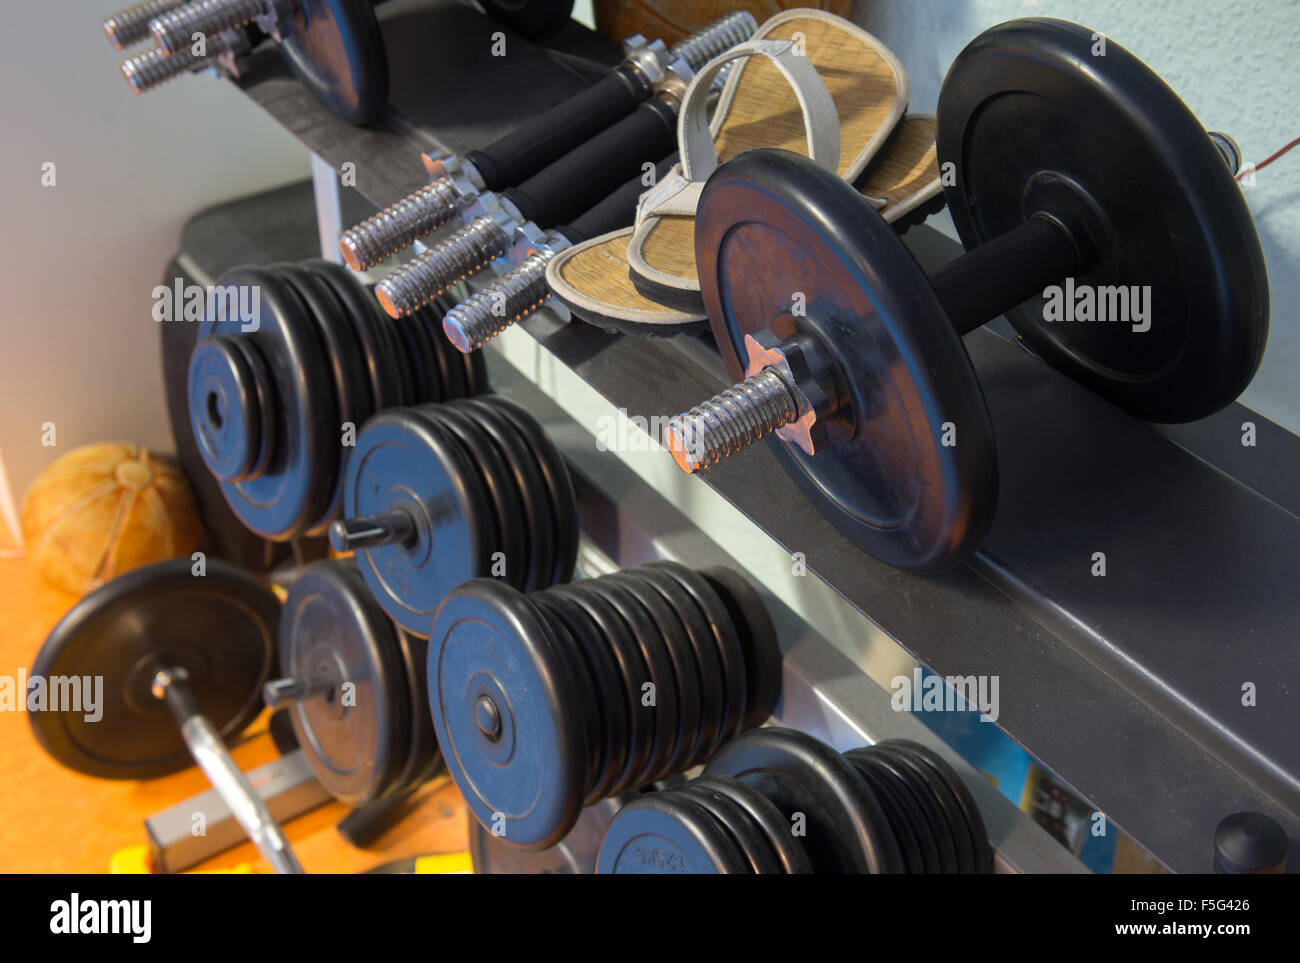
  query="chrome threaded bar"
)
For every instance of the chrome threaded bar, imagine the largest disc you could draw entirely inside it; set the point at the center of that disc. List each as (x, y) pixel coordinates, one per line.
(730, 421)
(174, 30)
(128, 27)
(420, 280)
(723, 34)
(480, 318)
(399, 226)
(154, 67)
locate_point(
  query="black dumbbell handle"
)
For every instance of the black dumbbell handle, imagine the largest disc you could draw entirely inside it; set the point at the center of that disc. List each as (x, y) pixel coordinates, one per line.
(614, 212)
(549, 135)
(597, 168)
(1006, 271)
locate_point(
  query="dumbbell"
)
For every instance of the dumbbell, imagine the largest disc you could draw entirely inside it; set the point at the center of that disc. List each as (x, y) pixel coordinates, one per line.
(575, 854)
(482, 316)
(780, 801)
(439, 494)
(548, 702)
(182, 654)
(130, 26)
(1069, 166)
(532, 146)
(223, 51)
(290, 360)
(354, 686)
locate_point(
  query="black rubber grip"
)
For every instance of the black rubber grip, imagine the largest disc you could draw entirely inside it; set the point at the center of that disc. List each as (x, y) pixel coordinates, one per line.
(597, 168)
(1005, 272)
(616, 211)
(537, 142)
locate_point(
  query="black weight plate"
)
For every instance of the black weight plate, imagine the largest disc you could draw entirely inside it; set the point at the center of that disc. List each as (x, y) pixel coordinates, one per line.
(404, 461)
(565, 646)
(763, 665)
(1027, 108)
(476, 374)
(354, 739)
(573, 855)
(336, 49)
(632, 671)
(609, 733)
(424, 381)
(524, 776)
(730, 652)
(559, 485)
(771, 224)
(686, 674)
(225, 405)
(939, 788)
(431, 391)
(528, 485)
(847, 831)
(790, 852)
(664, 712)
(344, 360)
(376, 351)
(665, 833)
(422, 757)
(911, 829)
(908, 779)
(450, 372)
(707, 667)
(265, 402)
(747, 835)
(220, 627)
(279, 504)
(957, 786)
(400, 372)
(509, 530)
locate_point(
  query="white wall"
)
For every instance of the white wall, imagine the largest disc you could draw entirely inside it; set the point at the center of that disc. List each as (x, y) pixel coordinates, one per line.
(1233, 63)
(78, 261)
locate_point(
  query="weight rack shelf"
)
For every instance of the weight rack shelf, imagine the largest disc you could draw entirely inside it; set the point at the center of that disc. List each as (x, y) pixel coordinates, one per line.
(1128, 687)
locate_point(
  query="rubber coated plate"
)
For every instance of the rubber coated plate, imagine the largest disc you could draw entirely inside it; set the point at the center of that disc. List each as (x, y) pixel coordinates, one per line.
(911, 828)
(789, 849)
(422, 756)
(1031, 119)
(451, 373)
(564, 504)
(706, 667)
(220, 627)
(847, 831)
(424, 380)
(336, 49)
(747, 835)
(280, 503)
(909, 780)
(404, 461)
(355, 733)
(565, 647)
(960, 792)
(573, 855)
(929, 780)
(501, 703)
(632, 671)
(772, 225)
(664, 833)
(376, 353)
(609, 730)
(730, 651)
(763, 666)
(528, 485)
(510, 531)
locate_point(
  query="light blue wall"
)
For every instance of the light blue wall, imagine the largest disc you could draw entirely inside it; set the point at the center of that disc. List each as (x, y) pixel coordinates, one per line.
(1232, 61)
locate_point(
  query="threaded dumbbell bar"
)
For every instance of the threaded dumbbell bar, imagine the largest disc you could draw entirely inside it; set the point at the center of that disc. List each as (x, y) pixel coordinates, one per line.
(532, 146)
(153, 67)
(130, 26)
(780, 801)
(547, 702)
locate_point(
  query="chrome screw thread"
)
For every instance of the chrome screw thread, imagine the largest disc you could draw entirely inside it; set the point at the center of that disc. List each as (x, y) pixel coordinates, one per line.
(482, 316)
(723, 34)
(399, 226)
(420, 280)
(154, 67)
(128, 27)
(174, 30)
(730, 421)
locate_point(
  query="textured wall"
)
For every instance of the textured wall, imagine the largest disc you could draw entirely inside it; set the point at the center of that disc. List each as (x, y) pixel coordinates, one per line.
(1232, 61)
(79, 261)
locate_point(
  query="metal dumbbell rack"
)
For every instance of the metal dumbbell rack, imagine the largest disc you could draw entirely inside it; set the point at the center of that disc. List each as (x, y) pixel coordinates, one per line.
(1128, 687)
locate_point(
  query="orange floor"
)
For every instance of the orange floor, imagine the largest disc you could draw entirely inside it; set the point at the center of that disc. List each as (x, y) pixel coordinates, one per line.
(56, 821)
